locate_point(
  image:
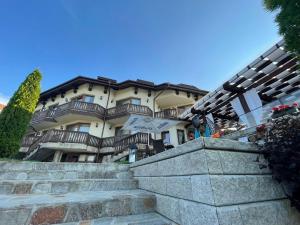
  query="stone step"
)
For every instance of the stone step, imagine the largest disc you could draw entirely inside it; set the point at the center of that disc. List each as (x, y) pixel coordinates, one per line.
(72, 207)
(62, 174)
(141, 219)
(65, 186)
(47, 166)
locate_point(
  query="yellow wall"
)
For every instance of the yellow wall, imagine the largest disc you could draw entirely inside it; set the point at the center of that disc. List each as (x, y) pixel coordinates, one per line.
(101, 99)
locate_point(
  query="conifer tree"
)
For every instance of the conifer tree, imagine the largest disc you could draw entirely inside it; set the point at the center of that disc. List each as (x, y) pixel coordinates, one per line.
(15, 117)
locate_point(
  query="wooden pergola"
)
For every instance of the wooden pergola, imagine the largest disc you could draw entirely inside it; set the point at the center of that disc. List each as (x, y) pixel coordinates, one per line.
(273, 75)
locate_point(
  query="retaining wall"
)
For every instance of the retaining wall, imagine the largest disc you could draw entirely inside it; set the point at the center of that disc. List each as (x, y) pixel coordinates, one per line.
(215, 182)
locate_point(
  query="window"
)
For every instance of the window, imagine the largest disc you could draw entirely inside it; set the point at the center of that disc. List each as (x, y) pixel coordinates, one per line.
(118, 131)
(181, 137)
(53, 107)
(166, 137)
(85, 98)
(134, 101)
(82, 127)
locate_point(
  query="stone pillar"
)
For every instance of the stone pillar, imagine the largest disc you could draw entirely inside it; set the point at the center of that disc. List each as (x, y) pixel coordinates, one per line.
(57, 156)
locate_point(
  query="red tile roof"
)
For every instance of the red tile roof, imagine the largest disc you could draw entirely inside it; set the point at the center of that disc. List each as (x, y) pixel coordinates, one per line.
(2, 106)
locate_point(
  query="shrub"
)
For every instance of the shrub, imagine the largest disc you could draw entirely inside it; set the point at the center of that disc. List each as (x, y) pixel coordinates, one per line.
(282, 150)
(15, 117)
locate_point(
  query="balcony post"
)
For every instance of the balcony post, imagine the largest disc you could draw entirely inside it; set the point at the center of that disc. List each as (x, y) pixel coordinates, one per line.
(57, 156)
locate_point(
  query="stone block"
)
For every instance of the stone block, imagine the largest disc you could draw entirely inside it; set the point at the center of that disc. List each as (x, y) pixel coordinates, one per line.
(22, 188)
(73, 214)
(60, 187)
(229, 215)
(124, 175)
(235, 189)
(192, 213)
(179, 150)
(180, 187)
(154, 184)
(226, 144)
(201, 189)
(48, 215)
(168, 207)
(271, 212)
(147, 170)
(213, 162)
(6, 188)
(143, 204)
(41, 187)
(166, 167)
(14, 216)
(242, 163)
(89, 211)
(186, 164)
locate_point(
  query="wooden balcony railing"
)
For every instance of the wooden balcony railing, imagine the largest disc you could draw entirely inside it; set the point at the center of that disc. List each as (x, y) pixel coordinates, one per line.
(169, 113)
(28, 140)
(64, 136)
(79, 107)
(37, 117)
(89, 109)
(138, 138)
(126, 109)
(110, 141)
(120, 143)
(61, 136)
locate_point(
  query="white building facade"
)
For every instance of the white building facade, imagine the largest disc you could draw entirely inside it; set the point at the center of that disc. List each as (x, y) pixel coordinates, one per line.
(82, 119)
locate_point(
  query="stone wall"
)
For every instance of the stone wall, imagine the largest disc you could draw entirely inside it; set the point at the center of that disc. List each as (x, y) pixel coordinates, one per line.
(215, 182)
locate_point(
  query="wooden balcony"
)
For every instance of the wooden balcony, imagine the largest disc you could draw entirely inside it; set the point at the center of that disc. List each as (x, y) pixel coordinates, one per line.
(42, 116)
(79, 107)
(61, 137)
(169, 114)
(42, 119)
(74, 107)
(127, 109)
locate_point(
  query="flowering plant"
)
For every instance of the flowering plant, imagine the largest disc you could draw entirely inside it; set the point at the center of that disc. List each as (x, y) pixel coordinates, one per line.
(284, 109)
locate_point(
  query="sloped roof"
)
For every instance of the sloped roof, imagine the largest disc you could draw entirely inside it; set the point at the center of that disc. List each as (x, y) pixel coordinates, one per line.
(79, 80)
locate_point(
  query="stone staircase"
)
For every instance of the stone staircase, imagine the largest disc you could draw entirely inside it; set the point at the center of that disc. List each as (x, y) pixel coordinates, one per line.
(72, 194)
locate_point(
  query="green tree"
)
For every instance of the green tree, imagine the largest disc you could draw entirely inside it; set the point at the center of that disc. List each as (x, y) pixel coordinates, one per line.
(288, 19)
(15, 117)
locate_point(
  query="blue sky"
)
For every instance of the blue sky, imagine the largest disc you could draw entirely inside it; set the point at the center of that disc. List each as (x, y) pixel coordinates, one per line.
(199, 42)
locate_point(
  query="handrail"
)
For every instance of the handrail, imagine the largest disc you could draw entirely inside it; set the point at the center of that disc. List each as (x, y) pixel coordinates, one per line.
(54, 136)
(127, 109)
(138, 138)
(28, 141)
(86, 108)
(169, 113)
(64, 137)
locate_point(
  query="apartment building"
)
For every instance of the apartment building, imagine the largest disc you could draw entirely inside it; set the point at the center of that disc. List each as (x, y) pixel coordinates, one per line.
(82, 119)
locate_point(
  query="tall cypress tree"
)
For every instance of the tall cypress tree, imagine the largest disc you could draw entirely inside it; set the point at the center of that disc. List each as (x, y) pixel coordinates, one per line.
(15, 117)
